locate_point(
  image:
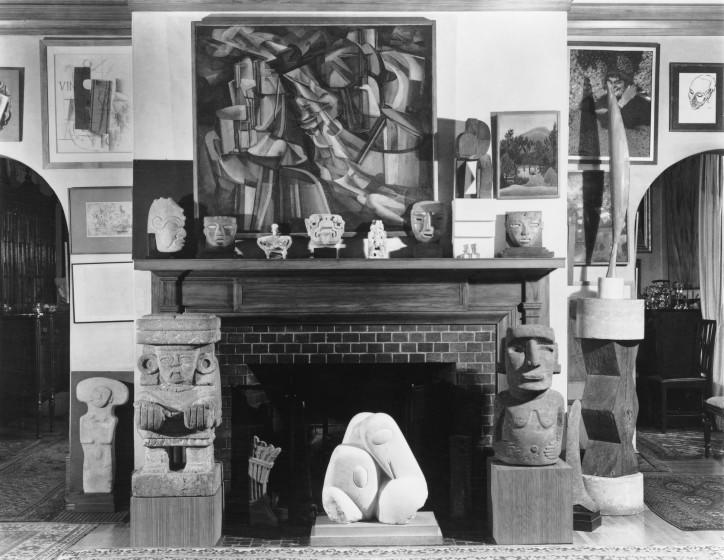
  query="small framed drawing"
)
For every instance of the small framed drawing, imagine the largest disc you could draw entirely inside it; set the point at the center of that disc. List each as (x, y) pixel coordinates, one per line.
(643, 224)
(589, 219)
(86, 89)
(11, 104)
(695, 91)
(525, 151)
(101, 220)
(102, 292)
(632, 70)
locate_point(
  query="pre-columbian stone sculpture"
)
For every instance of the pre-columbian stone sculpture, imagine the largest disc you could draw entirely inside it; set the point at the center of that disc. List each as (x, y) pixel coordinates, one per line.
(166, 222)
(98, 430)
(529, 415)
(373, 474)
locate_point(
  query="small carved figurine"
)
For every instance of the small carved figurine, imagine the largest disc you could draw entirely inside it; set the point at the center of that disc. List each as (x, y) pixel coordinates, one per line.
(523, 232)
(219, 231)
(325, 231)
(376, 242)
(529, 414)
(275, 246)
(166, 221)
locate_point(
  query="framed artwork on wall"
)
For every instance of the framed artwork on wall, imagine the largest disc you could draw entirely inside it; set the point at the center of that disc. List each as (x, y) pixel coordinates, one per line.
(102, 292)
(313, 115)
(86, 89)
(589, 219)
(11, 104)
(695, 92)
(525, 151)
(632, 69)
(643, 224)
(101, 220)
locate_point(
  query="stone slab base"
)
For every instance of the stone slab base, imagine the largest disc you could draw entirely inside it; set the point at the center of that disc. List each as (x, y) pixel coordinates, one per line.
(423, 530)
(176, 483)
(95, 503)
(621, 495)
(538, 499)
(177, 521)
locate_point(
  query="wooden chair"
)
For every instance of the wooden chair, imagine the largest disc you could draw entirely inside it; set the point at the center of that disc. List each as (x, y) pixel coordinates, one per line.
(713, 408)
(697, 379)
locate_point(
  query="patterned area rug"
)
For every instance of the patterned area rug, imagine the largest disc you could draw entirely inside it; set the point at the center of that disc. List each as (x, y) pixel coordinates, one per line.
(689, 502)
(492, 552)
(39, 541)
(32, 478)
(677, 444)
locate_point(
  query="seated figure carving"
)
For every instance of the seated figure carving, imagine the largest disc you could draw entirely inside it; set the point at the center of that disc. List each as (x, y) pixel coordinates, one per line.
(529, 415)
(373, 474)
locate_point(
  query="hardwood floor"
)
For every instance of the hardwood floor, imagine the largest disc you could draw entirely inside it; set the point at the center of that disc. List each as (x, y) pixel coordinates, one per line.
(645, 528)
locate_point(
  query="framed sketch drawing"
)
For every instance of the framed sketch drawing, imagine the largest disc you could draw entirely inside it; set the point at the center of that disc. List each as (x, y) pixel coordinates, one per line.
(86, 88)
(696, 97)
(313, 115)
(102, 292)
(525, 151)
(589, 219)
(11, 104)
(632, 69)
(101, 220)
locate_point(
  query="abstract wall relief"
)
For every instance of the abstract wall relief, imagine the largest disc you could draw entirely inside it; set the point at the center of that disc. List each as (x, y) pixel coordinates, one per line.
(313, 117)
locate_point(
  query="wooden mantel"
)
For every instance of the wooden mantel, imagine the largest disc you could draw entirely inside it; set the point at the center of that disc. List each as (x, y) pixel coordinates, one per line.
(487, 290)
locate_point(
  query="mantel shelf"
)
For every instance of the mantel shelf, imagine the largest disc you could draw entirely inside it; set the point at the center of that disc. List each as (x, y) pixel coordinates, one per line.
(226, 267)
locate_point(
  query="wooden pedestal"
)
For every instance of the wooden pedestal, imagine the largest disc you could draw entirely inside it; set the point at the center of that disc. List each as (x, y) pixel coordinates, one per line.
(423, 530)
(530, 505)
(177, 521)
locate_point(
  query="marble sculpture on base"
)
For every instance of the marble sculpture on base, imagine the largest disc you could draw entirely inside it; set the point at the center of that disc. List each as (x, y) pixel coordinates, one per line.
(178, 405)
(373, 474)
(98, 430)
(529, 415)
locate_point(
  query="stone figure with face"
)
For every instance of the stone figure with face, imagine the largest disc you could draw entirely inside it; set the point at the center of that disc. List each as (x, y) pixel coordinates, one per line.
(701, 89)
(524, 229)
(324, 230)
(529, 415)
(166, 221)
(219, 231)
(429, 220)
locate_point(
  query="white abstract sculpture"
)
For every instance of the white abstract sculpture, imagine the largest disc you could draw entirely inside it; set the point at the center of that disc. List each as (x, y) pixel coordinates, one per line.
(373, 474)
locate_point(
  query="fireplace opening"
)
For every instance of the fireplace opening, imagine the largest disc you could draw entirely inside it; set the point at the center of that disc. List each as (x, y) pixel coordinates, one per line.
(305, 409)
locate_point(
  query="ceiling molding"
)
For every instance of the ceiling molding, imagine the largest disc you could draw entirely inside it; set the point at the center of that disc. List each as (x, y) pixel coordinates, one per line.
(349, 5)
(646, 19)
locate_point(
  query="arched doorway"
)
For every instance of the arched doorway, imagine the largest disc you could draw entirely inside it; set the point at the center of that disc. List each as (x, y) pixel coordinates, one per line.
(34, 318)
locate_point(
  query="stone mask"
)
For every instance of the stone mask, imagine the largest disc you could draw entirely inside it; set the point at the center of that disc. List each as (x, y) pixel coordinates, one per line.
(524, 229)
(531, 358)
(429, 220)
(219, 230)
(166, 221)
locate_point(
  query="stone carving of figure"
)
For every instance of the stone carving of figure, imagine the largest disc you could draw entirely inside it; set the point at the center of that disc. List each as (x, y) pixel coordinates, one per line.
(178, 403)
(529, 415)
(219, 231)
(429, 220)
(325, 231)
(166, 221)
(275, 246)
(376, 242)
(98, 429)
(523, 232)
(373, 474)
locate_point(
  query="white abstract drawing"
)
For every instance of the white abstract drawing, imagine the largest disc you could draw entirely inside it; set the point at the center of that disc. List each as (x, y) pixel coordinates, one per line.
(108, 219)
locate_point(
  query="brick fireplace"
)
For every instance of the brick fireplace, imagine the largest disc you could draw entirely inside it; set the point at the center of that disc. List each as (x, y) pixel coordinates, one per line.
(302, 319)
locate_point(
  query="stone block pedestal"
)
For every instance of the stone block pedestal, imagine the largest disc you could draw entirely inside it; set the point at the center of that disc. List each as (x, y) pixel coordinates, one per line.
(530, 505)
(422, 530)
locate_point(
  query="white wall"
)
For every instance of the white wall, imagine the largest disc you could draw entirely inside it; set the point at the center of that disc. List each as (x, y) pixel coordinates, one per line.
(97, 346)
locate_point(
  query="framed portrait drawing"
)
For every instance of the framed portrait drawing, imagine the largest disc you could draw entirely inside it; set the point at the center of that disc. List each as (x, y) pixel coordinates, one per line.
(695, 102)
(589, 219)
(101, 220)
(525, 152)
(86, 89)
(632, 70)
(301, 116)
(102, 292)
(11, 104)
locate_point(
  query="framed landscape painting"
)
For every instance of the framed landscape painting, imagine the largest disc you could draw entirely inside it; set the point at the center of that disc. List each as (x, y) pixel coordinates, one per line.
(526, 154)
(696, 97)
(632, 69)
(86, 89)
(11, 104)
(305, 116)
(101, 220)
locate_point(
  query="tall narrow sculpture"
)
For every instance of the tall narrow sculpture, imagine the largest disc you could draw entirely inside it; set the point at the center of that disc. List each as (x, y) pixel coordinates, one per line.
(178, 407)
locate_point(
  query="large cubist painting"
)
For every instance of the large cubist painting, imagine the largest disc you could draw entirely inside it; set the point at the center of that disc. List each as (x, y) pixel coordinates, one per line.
(313, 116)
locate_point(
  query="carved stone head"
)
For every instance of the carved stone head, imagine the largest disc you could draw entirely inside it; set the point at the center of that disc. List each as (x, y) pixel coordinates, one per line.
(429, 220)
(531, 358)
(219, 230)
(524, 229)
(325, 230)
(166, 221)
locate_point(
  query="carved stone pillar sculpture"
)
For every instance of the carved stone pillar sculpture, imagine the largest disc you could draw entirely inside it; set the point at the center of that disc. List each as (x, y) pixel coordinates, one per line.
(98, 430)
(177, 408)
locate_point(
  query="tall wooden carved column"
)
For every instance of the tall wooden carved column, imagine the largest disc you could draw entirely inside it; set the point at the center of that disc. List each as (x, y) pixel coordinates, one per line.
(610, 330)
